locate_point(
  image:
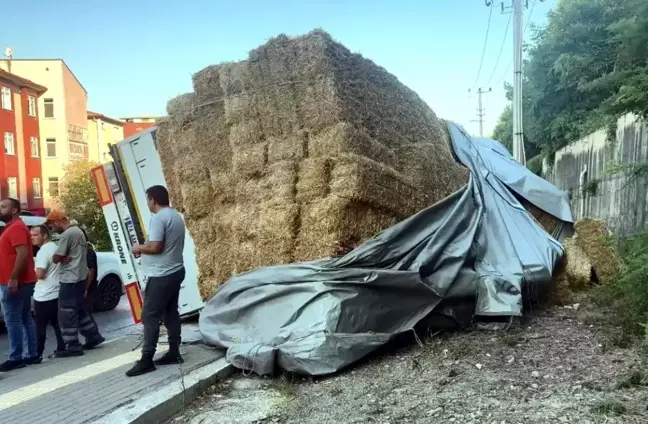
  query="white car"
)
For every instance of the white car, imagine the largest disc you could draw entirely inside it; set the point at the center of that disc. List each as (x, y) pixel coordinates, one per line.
(110, 286)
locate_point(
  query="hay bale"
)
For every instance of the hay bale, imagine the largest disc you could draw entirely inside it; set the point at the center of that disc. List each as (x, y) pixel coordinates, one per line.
(302, 151)
(293, 147)
(547, 221)
(334, 226)
(560, 292)
(344, 138)
(313, 179)
(365, 181)
(250, 161)
(578, 267)
(276, 187)
(591, 237)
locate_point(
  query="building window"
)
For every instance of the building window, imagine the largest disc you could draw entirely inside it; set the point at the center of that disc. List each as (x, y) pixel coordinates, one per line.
(9, 143)
(49, 108)
(6, 98)
(51, 147)
(35, 151)
(36, 188)
(53, 186)
(12, 182)
(31, 105)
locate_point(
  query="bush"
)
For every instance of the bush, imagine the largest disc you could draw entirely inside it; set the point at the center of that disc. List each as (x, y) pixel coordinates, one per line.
(78, 197)
(627, 295)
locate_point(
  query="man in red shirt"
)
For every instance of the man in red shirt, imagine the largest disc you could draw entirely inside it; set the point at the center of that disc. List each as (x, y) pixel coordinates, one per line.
(17, 281)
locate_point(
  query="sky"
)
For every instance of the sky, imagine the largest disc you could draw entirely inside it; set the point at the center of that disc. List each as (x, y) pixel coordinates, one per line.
(132, 56)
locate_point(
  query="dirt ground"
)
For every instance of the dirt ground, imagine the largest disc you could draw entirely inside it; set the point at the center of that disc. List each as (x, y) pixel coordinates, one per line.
(556, 367)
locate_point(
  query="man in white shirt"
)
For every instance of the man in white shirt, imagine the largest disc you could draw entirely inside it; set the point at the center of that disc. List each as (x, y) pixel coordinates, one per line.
(46, 292)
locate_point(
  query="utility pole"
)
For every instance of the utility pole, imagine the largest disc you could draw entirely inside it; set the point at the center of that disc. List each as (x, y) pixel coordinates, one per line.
(518, 131)
(480, 110)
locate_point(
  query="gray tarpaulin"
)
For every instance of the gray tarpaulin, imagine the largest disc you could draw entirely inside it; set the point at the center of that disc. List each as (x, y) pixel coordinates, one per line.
(318, 317)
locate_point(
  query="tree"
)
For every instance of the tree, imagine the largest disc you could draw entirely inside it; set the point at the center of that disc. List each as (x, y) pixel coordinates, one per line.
(586, 67)
(503, 131)
(78, 197)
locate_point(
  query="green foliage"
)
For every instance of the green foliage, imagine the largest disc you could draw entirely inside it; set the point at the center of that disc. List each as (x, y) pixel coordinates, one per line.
(78, 197)
(535, 164)
(627, 296)
(591, 187)
(503, 133)
(586, 67)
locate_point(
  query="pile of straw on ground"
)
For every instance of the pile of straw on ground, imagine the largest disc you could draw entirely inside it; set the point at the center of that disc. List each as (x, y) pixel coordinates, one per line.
(588, 259)
(592, 238)
(302, 151)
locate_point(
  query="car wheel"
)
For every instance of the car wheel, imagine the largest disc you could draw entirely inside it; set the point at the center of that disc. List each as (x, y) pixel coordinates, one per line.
(108, 294)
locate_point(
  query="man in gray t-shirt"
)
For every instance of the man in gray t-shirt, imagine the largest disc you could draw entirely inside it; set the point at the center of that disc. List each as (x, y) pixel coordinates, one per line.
(72, 245)
(71, 256)
(166, 227)
(163, 266)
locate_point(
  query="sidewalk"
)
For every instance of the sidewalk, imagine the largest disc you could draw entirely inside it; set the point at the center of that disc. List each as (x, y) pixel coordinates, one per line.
(87, 388)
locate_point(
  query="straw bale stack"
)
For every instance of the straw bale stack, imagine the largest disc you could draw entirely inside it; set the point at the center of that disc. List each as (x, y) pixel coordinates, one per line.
(302, 151)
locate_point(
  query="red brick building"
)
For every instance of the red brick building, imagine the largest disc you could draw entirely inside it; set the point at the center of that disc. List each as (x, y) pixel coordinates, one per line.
(133, 125)
(20, 159)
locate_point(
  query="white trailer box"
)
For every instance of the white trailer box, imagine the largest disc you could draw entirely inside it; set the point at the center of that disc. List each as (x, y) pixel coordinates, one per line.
(121, 185)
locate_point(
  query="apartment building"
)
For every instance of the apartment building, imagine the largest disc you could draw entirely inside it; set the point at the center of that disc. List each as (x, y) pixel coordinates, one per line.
(102, 131)
(63, 119)
(135, 124)
(20, 160)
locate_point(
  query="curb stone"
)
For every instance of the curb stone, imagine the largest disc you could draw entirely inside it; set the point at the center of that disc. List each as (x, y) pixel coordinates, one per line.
(171, 398)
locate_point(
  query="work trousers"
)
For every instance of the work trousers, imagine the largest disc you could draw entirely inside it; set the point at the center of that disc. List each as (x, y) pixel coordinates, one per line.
(47, 314)
(73, 316)
(161, 304)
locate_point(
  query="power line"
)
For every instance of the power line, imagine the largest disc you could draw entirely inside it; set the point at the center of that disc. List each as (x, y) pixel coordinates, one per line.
(508, 25)
(525, 28)
(481, 62)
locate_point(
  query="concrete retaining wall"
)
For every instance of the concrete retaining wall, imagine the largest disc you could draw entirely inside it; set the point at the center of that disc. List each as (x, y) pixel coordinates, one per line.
(589, 170)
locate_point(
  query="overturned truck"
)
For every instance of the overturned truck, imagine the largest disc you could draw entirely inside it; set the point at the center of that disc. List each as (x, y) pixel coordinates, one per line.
(331, 209)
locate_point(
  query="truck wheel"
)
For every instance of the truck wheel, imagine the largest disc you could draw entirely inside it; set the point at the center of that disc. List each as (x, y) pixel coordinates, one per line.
(108, 294)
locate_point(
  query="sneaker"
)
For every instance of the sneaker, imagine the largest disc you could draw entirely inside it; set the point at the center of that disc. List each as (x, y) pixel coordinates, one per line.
(93, 343)
(169, 358)
(34, 360)
(69, 353)
(142, 366)
(7, 366)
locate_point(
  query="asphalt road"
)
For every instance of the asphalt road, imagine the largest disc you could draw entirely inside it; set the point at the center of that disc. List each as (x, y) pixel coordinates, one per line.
(112, 324)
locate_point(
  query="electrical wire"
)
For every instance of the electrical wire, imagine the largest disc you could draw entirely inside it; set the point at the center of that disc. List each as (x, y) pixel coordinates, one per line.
(499, 56)
(523, 32)
(481, 62)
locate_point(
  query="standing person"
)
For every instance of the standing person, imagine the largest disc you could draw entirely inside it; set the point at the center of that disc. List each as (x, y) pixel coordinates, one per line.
(71, 254)
(46, 293)
(163, 267)
(91, 282)
(17, 280)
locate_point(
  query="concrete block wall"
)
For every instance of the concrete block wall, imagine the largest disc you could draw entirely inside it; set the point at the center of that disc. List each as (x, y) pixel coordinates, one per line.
(596, 171)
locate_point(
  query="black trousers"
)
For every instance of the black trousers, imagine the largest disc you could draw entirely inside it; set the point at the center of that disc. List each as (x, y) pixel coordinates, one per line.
(161, 304)
(73, 316)
(46, 313)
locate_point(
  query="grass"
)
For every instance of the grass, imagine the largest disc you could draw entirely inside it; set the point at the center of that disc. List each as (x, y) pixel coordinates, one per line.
(285, 386)
(627, 295)
(634, 379)
(609, 407)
